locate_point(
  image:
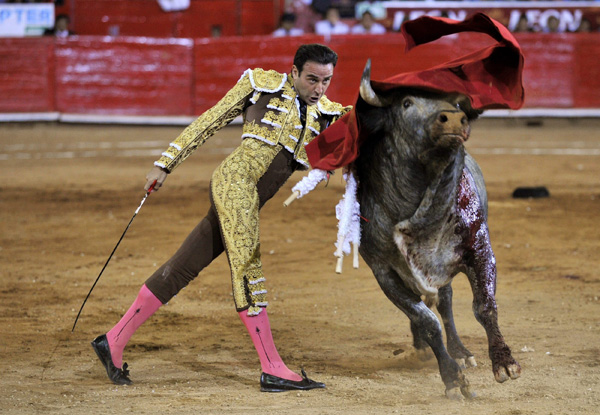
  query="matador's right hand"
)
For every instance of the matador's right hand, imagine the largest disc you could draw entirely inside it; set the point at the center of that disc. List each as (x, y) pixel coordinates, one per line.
(157, 173)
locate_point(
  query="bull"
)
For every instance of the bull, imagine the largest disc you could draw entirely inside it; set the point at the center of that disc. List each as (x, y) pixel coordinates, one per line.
(426, 204)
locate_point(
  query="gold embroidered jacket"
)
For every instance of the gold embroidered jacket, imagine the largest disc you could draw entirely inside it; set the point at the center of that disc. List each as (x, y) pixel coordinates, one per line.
(270, 108)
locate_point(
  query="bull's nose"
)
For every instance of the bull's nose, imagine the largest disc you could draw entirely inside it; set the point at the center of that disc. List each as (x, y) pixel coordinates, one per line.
(453, 117)
(453, 123)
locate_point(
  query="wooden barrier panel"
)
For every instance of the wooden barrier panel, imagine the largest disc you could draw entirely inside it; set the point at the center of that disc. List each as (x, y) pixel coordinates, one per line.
(169, 77)
(560, 69)
(125, 76)
(219, 63)
(586, 71)
(26, 75)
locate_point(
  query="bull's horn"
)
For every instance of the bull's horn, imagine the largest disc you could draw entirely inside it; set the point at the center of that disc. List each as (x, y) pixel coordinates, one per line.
(366, 90)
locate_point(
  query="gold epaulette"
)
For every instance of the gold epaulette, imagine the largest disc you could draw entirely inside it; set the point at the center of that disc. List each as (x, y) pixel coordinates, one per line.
(266, 81)
(328, 107)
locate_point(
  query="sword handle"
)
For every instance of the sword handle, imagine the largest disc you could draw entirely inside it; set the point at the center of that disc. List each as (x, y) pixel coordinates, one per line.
(151, 188)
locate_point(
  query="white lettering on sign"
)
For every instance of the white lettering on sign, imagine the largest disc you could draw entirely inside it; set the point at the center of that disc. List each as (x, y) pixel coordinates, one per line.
(25, 19)
(542, 16)
(537, 20)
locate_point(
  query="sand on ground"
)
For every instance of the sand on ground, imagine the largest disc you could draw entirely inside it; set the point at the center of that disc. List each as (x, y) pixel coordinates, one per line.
(68, 191)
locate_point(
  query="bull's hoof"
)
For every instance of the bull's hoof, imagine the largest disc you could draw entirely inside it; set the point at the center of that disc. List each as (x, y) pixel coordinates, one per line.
(512, 371)
(468, 362)
(460, 393)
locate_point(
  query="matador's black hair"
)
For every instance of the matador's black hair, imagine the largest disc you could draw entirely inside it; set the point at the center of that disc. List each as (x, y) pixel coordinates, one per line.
(314, 52)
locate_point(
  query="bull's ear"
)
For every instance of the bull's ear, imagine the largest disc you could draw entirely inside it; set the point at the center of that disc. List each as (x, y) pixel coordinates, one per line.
(366, 90)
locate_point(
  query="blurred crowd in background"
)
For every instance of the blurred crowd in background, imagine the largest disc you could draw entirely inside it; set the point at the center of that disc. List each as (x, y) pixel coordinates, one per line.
(335, 17)
(340, 17)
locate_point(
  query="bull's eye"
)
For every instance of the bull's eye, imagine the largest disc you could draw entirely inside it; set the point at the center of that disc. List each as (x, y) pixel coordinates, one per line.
(407, 103)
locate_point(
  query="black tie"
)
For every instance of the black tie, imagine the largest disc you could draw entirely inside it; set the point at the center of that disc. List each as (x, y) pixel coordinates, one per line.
(302, 112)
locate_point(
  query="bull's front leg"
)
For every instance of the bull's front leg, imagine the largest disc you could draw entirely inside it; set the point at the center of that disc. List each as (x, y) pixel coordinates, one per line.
(481, 271)
(480, 266)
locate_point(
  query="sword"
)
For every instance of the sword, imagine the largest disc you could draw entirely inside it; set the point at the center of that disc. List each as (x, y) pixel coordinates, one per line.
(113, 251)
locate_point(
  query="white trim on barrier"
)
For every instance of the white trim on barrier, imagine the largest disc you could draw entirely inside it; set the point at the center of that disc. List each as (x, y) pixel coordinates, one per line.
(544, 113)
(126, 119)
(131, 119)
(29, 116)
(186, 120)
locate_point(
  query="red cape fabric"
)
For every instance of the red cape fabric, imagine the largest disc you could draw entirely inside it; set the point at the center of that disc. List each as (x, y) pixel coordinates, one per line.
(491, 77)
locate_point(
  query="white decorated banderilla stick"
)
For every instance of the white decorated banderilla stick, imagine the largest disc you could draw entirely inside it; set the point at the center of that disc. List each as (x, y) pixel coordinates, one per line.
(307, 184)
(340, 261)
(348, 213)
(290, 199)
(340, 256)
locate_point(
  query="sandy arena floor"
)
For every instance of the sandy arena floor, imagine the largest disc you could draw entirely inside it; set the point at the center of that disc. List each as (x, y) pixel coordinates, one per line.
(68, 191)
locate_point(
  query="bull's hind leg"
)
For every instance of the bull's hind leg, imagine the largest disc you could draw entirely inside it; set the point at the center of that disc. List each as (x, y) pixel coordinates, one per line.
(427, 327)
(420, 343)
(455, 347)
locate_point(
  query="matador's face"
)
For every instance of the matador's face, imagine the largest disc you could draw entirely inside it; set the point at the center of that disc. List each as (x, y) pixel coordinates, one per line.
(313, 81)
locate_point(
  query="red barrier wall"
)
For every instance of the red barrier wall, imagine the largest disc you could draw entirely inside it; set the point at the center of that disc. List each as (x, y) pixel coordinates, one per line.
(586, 71)
(26, 75)
(128, 76)
(560, 69)
(151, 76)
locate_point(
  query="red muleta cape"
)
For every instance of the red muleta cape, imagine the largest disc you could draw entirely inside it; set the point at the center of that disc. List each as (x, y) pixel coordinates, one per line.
(491, 77)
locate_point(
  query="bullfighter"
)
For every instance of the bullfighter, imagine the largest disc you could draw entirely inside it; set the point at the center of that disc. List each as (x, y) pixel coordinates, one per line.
(281, 114)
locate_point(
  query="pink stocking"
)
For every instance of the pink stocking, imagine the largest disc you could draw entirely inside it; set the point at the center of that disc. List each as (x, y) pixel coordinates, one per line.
(143, 307)
(260, 332)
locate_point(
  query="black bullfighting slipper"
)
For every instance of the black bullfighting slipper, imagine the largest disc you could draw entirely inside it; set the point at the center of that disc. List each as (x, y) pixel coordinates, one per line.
(118, 376)
(271, 383)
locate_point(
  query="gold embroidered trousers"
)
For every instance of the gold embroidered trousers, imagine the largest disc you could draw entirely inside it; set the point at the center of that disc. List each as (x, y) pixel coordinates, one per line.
(235, 197)
(240, 186)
